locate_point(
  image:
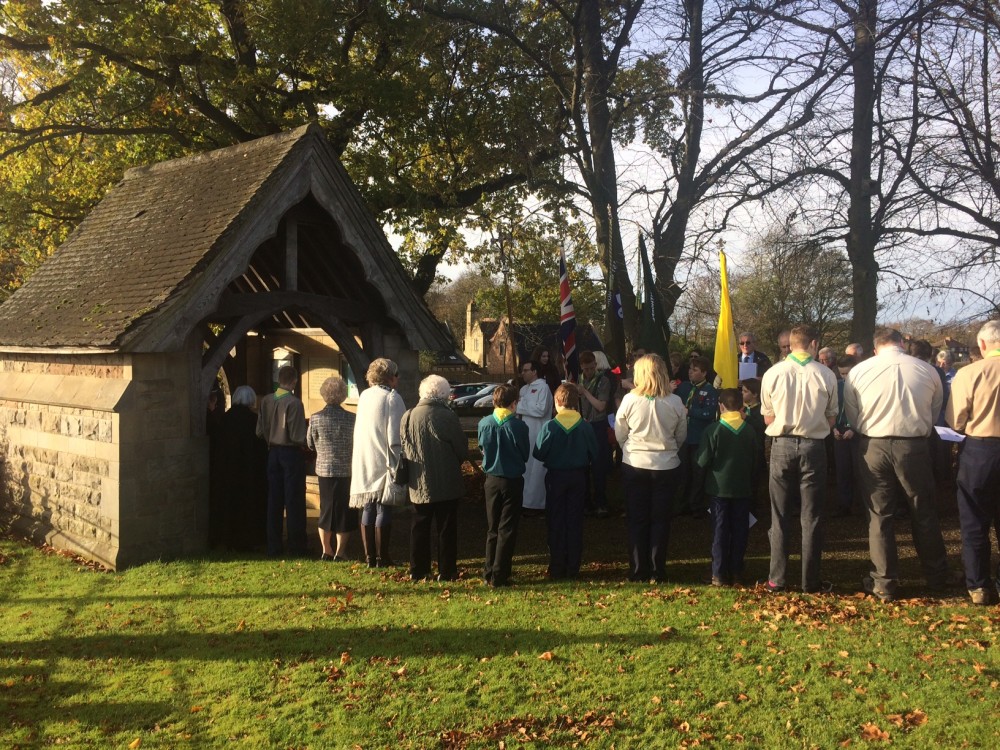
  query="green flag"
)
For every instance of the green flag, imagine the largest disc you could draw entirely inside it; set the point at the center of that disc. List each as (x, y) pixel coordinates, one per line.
(653, 327)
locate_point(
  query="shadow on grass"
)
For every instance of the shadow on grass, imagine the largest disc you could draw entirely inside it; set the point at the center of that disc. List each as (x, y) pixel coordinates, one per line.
(303, 643)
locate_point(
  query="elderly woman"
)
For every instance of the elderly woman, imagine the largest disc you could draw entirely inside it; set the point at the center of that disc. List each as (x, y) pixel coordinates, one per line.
(436, 446)
(244, 474)
(376, 448)
(331, 435)
(651, 425)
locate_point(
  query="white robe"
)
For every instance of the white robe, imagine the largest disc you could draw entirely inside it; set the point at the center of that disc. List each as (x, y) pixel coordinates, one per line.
(535, 408)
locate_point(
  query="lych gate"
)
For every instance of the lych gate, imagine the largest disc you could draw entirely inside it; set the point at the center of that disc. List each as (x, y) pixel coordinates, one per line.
(108, 353)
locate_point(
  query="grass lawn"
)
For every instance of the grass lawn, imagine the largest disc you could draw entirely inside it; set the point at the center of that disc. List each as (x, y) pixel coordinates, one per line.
(255, 653)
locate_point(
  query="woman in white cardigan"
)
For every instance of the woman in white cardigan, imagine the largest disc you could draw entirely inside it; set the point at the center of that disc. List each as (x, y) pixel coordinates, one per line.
(650, 425)
(376, 448)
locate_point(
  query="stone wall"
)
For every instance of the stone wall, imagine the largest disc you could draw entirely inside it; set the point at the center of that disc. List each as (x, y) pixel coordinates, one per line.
(99, 455)
(58, 430)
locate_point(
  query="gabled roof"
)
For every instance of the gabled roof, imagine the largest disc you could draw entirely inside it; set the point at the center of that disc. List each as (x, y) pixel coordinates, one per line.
(153, 258)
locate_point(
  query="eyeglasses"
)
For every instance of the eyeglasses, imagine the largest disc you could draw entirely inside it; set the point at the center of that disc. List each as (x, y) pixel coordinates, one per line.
(745, 343)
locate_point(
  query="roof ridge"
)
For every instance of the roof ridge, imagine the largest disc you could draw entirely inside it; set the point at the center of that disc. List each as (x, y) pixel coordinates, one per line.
(183, 162)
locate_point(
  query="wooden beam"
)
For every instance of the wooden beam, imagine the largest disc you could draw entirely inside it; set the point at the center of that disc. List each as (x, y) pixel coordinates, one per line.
(239, 305)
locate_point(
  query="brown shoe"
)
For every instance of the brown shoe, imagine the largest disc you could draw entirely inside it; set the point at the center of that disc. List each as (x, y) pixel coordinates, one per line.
(983, 597)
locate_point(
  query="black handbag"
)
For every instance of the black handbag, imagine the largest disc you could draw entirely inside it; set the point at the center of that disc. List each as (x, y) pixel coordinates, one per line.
(401, 471)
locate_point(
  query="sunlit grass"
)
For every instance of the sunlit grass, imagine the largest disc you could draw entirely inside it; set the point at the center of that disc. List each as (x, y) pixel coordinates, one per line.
(206, 653)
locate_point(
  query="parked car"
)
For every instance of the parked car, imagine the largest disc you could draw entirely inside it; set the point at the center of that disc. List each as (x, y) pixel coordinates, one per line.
(465, 402)
(465, 389)
(487, 400)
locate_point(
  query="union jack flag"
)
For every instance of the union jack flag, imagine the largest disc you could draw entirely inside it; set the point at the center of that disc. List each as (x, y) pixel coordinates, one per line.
(567, 321)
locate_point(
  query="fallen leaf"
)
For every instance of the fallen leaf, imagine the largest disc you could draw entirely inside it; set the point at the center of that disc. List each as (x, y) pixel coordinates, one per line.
(135, 743)
(872, 733)
(345, 658)
(656, 699)
(196, 709)
(547, 656)
(240, 626)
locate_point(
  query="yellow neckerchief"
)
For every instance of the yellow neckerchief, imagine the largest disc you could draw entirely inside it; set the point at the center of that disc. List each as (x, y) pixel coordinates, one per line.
(568, 419)
(800, 358)
(280, 393)
(694, 390)
(501, 415)
(993, 353)
(733, 420)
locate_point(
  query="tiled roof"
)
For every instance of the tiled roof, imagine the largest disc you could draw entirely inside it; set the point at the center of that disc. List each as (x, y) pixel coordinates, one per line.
(141, 254)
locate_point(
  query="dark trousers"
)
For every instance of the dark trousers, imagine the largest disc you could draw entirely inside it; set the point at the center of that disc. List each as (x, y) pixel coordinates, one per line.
(598, 479)
(648, 493)
(845, 459)
(565, 490)
(798, 467)
(286, 496)
(444, 516)
(504, 497)
(691, 498)
(731, 518)
(978, 506)
(888, 467)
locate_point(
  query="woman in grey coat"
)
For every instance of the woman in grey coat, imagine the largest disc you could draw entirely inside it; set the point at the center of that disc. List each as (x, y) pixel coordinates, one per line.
(436, 446)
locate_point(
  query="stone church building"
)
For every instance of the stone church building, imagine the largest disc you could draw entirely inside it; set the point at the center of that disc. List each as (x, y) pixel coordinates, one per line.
(214, 263)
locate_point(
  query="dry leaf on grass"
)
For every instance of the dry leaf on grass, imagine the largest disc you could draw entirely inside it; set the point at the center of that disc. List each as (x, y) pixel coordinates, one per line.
(872, 733)
(547, 656)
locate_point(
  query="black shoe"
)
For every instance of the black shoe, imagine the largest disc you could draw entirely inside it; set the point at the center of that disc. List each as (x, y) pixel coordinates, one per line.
(868, 584)
(338, 558)
(452, 577)
(824, 587)
(327, 558)
(771, 588)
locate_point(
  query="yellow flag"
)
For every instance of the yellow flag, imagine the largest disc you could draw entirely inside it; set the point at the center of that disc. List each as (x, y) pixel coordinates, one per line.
(726, 354)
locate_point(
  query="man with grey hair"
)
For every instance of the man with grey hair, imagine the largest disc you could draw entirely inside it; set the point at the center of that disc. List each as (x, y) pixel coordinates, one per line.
(945, 362)
(282, 424)
(855, 350)
(892, 400)
(750, 356)
(974, 409)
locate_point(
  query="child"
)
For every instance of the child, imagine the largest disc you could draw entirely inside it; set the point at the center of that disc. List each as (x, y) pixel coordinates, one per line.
(728, 455)
(567, 447)
(701, 401)
(503, 439)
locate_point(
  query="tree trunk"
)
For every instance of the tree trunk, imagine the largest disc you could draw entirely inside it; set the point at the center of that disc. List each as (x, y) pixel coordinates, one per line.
(861, 237)
(603, 181)
(668, 240)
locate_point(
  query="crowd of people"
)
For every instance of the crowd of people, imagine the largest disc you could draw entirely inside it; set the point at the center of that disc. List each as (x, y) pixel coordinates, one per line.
(685, 445)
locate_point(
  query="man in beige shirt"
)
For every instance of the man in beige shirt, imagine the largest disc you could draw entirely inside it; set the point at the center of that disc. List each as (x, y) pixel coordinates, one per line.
(798, 400)
(282, 423)
(892, 401)
(974, 408)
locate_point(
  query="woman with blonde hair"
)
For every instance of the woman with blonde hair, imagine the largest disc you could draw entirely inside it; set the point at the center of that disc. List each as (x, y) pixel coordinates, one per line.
(376, 448)
(651, 425)
(331, 435)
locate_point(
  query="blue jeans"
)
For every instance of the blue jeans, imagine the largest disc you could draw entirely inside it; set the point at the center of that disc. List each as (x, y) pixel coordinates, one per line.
(797, 464)
(648, 494)
(286, 496)
(377, 514)
(978, 506)
(731, 517)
